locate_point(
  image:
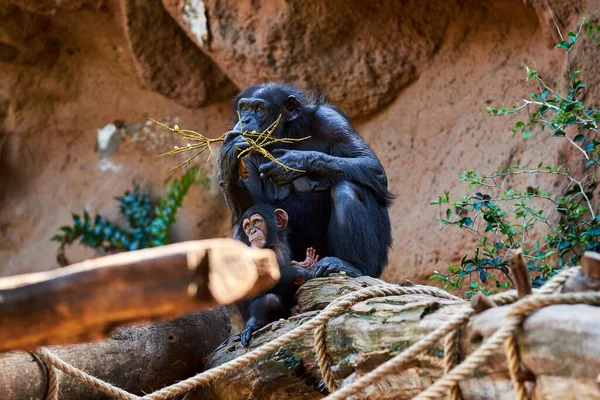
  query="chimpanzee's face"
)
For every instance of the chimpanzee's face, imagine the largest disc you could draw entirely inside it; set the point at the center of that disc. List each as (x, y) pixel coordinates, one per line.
(255, 114)
(260, 106)
(262, 226)
(255, 229)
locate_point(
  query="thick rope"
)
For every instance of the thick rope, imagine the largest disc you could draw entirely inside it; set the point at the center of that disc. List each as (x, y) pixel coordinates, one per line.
(540, 299)
(51, 377)
(52, 361)
(432, 338)
(333, 309)
(513, 361)
(401, 359)
(518, 312)
(511, 347)
(514, 318)
(321, 346)
(450, 358)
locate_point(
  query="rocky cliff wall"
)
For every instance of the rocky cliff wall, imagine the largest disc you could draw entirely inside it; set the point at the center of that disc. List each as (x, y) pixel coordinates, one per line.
(415, 77)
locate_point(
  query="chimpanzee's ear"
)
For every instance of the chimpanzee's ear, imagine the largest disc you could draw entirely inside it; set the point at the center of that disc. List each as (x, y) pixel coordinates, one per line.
(293, 107)
(281, 219)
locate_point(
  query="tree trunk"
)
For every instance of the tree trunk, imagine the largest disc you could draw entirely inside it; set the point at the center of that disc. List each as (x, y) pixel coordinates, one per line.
(139, 359)
(560, 345)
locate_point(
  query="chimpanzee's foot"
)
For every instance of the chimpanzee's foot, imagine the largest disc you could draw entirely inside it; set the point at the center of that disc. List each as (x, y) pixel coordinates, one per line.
(251, 326)
(295, 310)
(331, 265)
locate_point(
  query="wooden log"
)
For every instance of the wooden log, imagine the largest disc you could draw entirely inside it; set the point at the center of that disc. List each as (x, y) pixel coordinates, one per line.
(561, 342)
(590, 265)
(588, 278)
(520, 273)
(139, 359)
(480, 302)
(85, 301)
(560, 345)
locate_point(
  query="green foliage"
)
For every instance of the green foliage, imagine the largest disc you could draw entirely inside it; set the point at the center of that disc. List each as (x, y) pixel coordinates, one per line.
(554, 227)
(150, 225)
(593, 31)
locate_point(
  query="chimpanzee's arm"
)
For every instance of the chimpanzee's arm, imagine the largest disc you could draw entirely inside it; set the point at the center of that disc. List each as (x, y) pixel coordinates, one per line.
(259, 312)
(348, 157)
(361, 167)
(357, 164)
(237, 197)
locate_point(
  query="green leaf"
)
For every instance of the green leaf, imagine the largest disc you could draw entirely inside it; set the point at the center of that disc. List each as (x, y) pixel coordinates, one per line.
(570, 107)
(564, 45)
(591, 145)
(482, 276)
(527, 134)
(76, 221)
(66, 229)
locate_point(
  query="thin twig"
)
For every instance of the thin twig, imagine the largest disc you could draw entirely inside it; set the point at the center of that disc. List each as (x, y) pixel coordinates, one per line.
(258, 142)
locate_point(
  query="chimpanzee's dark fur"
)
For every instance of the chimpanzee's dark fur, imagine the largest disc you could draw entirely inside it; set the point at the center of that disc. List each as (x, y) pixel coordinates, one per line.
(339, 205)
(278, 302)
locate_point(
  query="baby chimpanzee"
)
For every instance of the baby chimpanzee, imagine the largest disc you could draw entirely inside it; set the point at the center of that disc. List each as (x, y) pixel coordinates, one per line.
(264, 226)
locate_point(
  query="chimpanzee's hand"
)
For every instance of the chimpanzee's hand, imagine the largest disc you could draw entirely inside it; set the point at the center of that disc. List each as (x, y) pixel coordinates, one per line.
(235, 142)
(278, 174)
(311, 259)
(331, 265)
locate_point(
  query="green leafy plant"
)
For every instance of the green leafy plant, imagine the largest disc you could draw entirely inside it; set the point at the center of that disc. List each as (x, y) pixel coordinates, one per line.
(503, 211)
(149, 222)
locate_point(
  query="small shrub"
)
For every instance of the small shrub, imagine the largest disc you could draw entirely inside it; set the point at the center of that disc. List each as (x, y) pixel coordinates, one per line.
(149, 222)
(552, 226)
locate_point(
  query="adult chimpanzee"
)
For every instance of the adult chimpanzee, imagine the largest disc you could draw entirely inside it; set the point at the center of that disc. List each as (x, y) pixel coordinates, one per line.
(338, 205)
(264, 226)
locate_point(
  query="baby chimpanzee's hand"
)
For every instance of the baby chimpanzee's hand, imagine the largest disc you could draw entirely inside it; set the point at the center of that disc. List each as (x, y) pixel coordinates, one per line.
(310, 261)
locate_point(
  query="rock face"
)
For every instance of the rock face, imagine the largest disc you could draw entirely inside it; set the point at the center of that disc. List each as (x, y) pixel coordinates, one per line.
(168, 61)
(414, 76)
(362, 56)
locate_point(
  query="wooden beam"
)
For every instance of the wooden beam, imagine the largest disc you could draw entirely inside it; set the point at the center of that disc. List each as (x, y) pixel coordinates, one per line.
(588, 278)
(520, 273)
(590, 265)
(139, 359)
(560, 344)
(480, 302)
(85, 301)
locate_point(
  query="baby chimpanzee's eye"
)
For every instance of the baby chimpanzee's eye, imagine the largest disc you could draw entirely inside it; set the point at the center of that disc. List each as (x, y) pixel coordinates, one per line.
(259, 109)
(243, 107)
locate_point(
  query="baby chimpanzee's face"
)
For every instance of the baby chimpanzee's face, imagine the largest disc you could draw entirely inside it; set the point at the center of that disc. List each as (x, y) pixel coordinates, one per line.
(255, 229)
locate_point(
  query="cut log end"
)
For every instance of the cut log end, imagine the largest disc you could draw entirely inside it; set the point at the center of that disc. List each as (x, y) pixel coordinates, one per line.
(70, 305)
(588, 278)
(590, 265)
(480, 302)
(520, 273)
